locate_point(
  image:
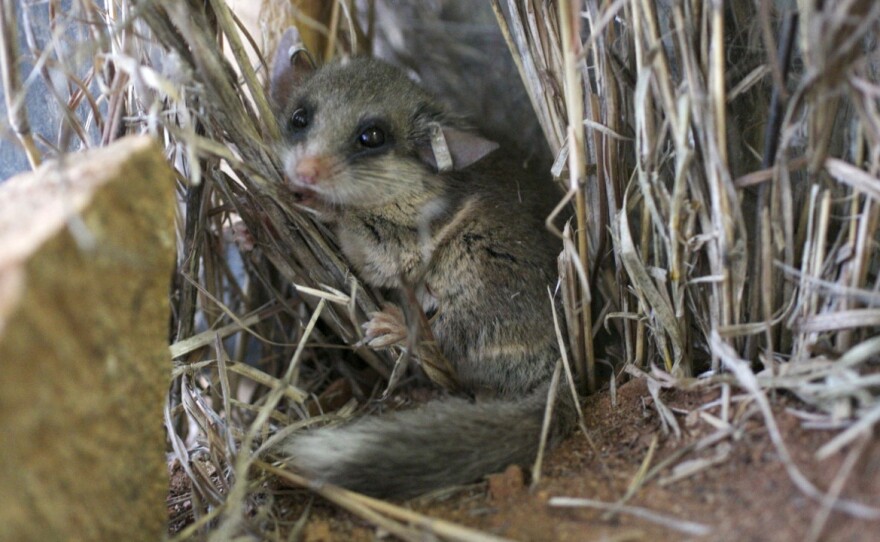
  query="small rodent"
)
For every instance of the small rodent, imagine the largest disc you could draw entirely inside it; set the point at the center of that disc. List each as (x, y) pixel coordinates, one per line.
(357, 148)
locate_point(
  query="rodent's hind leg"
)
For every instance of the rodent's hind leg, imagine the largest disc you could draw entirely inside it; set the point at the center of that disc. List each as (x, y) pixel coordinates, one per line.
(388, 327)
(385, 328)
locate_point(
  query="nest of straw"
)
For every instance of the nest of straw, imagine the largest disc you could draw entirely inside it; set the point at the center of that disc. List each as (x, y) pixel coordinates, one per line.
(723, 161)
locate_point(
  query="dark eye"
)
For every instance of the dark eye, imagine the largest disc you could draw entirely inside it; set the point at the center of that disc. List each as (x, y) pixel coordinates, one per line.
(298, 120)
(372, 137)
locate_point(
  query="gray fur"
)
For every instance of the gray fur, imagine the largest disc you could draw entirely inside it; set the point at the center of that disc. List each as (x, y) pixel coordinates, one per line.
(475, 238)
(409, 453)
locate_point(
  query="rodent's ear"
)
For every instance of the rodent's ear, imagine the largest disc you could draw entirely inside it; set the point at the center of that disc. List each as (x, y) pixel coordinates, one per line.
(454, 149)
(292, 65)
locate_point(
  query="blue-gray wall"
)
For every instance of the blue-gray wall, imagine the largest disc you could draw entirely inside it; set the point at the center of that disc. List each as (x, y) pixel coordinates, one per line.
(43, 110)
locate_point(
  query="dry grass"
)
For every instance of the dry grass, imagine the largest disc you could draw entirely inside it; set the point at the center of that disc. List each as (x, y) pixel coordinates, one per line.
(726, 187)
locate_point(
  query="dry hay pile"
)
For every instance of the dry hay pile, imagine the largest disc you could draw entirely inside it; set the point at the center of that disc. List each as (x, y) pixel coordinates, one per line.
(723, 161)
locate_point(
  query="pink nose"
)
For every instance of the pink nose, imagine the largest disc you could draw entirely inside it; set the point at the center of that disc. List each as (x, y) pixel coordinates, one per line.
(310, 169)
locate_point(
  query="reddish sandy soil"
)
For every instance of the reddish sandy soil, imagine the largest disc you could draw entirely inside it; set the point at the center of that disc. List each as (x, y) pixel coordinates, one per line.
(746, 495)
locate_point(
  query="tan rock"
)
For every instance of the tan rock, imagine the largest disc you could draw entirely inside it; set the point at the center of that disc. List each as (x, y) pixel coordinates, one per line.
(86, 255)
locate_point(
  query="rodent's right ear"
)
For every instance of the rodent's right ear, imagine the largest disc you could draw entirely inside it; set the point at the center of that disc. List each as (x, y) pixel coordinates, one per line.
(291, 66)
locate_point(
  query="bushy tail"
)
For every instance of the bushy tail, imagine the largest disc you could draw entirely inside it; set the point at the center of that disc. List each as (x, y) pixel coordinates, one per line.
(443, 443)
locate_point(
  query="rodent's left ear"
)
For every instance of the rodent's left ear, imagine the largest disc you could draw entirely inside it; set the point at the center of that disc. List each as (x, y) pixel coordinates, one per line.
(454, 149)
(291, 66)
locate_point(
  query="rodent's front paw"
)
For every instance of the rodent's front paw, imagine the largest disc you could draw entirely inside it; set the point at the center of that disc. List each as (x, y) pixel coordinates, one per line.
(385, 328)
(242, 237)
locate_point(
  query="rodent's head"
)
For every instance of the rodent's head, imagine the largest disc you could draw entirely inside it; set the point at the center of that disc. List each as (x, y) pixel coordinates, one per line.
(359, 132)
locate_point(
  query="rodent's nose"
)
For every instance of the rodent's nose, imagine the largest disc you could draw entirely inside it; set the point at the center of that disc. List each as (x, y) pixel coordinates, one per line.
(310, 169)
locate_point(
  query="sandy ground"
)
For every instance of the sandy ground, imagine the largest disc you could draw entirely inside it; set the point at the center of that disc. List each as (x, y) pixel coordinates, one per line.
(742, 492)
